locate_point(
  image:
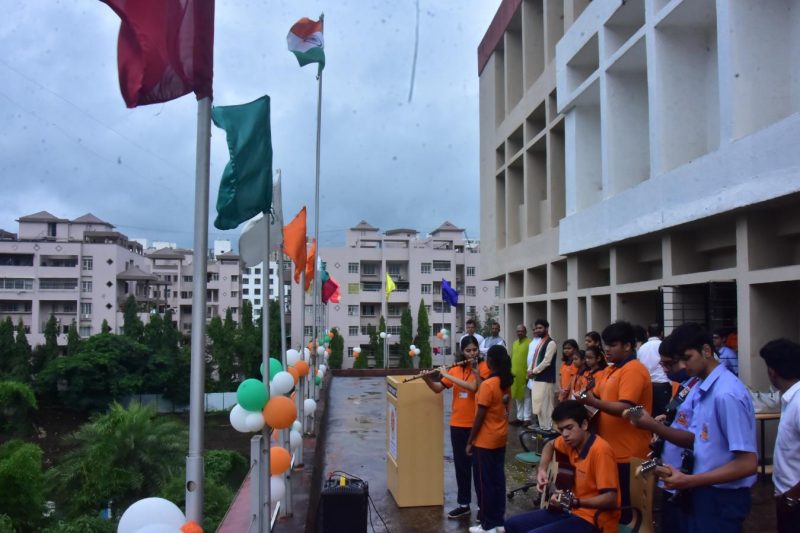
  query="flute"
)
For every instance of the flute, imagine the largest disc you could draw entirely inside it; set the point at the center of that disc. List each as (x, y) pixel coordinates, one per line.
(435, 370)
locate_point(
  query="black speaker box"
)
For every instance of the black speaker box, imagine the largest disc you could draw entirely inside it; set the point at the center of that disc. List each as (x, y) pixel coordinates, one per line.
(343, 508)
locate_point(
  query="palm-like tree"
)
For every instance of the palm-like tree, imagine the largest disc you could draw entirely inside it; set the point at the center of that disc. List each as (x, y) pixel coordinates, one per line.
(121, 456)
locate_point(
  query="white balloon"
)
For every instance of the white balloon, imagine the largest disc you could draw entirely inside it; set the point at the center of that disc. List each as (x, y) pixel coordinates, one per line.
(159, 528)
(306, 354)
(417, 351)
(321, 351)
(320, 373)
(277, 488)
(254, 421)
(238, 418)
(324, 368)
(151, 511)
(292, 357)
(383, 334)
(295, 439)
(412, 347)
(282, 383)
(309, 406)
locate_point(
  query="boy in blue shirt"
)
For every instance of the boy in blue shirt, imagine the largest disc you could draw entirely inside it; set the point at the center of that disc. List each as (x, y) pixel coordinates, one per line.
(723, 439)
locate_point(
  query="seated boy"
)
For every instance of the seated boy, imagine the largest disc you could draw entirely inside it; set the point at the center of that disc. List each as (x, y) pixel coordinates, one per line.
(595, 486)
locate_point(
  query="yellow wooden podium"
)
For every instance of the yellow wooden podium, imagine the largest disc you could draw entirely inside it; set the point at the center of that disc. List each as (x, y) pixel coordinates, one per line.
(414, 443)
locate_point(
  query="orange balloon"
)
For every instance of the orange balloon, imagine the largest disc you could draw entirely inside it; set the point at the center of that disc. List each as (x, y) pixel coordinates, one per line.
(279, 460)
(302, 368)
(279, 412)
(191, 527)
(295, 374)
(411, 353)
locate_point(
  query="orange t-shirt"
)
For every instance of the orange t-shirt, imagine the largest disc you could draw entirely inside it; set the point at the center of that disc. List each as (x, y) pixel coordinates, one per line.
(462, 414)
(595, 472)
(494, 431)
(483, 369)
(629, 383)
(579, 382)
(600, 377)
(567, 371)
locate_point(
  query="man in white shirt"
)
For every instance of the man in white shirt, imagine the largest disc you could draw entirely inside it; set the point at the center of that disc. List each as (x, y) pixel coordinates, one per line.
(782, 357)
(542, 373)
(492, 339)
(649, 357)
(471, 331)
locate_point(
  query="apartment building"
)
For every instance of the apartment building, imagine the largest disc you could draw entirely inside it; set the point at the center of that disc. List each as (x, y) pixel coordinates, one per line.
(640, 160)
(174, 271)
(79, 270)
(252, 279)
(417, 265)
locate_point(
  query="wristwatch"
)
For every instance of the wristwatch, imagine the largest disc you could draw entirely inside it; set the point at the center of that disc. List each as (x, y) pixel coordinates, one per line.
(576, 503)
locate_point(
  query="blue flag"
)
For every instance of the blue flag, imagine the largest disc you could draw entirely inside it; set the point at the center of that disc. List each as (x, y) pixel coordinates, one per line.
(449, 294)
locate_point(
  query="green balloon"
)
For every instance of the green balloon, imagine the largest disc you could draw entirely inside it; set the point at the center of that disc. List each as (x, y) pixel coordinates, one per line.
(317, 380)
(326, 339)
(252, 395)
(275, 366)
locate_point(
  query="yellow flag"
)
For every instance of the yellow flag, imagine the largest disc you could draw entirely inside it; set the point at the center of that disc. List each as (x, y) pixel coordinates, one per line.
(390, 286)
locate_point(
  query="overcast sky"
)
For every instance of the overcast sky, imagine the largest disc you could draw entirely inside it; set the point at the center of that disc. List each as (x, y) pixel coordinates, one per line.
(69, 145)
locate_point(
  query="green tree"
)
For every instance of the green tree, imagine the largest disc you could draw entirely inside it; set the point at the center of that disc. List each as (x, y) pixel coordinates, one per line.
(73, 339)
(22, 484)
(132, 326)
(105, 368)
(166, 367)
(491, 318)
(16, 402)
(23, 353)
(337, 349)
(406, 338)
(105, 328)
(423, 338)
(124, 455)
(362, 361)
(477, 319)
(6, 526)
(83, 524)
(7, 348)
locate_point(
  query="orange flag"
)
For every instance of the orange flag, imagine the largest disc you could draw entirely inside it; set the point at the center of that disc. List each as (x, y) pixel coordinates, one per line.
(294, 242)
(312, 258)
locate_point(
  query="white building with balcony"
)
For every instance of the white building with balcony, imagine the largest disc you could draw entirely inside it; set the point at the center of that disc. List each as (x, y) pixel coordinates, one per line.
(417, 265)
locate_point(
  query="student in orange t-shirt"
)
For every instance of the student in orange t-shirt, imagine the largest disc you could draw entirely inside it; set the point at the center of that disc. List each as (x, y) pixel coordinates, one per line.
(487, 440)
(594, 488)
(626, 384)
(567, 370)
(578, 382)
(595, 363)
(464, 382)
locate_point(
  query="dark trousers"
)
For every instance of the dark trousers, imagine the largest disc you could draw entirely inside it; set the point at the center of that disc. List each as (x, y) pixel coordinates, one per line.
(788, 517)
(492, 481)
(466, 468)
(624, 470)
(543, 521)
(662, 394)
(673, 519)
(715, 509)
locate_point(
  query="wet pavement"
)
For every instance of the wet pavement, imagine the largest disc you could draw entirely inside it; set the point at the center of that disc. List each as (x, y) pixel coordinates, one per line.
(355, 442)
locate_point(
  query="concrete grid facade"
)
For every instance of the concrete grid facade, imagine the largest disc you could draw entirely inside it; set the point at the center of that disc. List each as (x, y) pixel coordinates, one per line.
(417, 266)
(641, 163)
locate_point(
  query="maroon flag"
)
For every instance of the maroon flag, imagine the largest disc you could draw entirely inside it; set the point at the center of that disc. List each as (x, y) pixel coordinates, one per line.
(165, 49)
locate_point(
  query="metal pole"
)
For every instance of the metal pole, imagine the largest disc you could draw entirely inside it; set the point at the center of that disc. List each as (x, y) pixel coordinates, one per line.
(298, 394)
(264, 472)
(194, 459)
(285, 441)
(313, 384)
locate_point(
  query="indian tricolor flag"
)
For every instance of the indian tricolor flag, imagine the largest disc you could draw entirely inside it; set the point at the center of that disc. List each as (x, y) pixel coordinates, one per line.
(305, 41)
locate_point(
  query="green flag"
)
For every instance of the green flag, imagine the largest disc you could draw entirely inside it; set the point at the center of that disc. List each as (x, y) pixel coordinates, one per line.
(246, 187)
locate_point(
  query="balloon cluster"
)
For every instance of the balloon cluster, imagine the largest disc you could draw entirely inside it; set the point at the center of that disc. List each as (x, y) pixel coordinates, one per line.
(443, 334)
(259, 405)
(413, 350)
(155, 515)
(357, 351)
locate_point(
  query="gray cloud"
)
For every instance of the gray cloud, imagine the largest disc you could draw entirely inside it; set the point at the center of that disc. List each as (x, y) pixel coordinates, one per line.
(70, 146)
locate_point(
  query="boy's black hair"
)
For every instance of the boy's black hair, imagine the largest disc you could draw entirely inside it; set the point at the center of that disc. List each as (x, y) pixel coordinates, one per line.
(782, 356)
(570, 409)
(542, 322)
(619, 331)
(500, 364)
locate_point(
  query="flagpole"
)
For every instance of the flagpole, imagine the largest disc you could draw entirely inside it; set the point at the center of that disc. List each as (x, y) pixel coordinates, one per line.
(194, 459)
(264, 498)
(300, 383)
(316, 217)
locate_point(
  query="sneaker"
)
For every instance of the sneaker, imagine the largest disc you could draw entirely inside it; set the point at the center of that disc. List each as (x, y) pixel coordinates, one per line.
(461, 511)
(479, 529)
